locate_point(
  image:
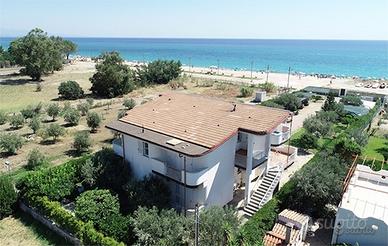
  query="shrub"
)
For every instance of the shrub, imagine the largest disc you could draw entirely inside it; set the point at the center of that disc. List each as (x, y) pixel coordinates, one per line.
(215, 223)
(113, 77)
(8, 197)
(54, 130)
(28, 112)
(53, 110)
(351, 100)
(3, 117)
(165, 227)
(268, 87)
(246, 91)
(288, 101)
(70, 90)
(121, 114)
(56, 182)
(16, 121)
(93, 120)
(307, 141)
(158, 72)
(147, 193)
(129, 103)
(11, 142)
(346, 146)
(253, 231)
(114, 173)
(316, 185)
(82, 141)
(330, 104)
(328, 116)
(72, 116)
(83, 108)
(316, 126)
(96, 206)
(35, 124)
(35, 159)
(84, 231)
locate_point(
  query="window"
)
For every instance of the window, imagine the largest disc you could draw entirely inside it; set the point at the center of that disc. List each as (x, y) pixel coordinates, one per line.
(146, 151)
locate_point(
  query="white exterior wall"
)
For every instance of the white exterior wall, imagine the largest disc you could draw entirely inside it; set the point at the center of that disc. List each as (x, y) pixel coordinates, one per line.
(215, 169)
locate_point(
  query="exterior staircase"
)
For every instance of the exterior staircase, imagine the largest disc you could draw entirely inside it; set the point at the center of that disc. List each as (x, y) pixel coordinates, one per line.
(264, 192)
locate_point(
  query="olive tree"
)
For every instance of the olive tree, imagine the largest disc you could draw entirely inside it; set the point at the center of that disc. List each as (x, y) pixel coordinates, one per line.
(53, 110)
(113, 77)
(93, 119)
(37, 53)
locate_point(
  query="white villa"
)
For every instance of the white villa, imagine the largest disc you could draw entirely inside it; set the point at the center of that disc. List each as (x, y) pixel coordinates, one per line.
(207, 149)
(362, 216)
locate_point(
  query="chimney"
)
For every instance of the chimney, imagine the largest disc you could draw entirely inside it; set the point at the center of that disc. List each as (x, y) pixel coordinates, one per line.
(289, 227)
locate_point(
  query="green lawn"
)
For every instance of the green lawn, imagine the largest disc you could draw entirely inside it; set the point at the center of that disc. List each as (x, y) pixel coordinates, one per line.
(21, 229)
(377, 147)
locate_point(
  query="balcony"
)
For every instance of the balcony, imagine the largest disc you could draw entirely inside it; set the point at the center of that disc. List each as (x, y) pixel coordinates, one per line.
(279, 137)
(193, 178)
(258, 158)
(117, 147)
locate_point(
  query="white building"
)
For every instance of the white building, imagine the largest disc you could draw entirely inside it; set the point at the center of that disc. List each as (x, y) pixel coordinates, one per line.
(204, 148)
(362, 217)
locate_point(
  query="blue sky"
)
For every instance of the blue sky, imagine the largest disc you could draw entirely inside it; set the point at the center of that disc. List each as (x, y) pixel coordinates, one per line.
(284, 19)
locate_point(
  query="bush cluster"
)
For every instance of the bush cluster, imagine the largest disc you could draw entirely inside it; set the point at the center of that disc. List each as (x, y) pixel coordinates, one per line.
(84, 231)
(8, 197)
(70, 90)
(246, 91)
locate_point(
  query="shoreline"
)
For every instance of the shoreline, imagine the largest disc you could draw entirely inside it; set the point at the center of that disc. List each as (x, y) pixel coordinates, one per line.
(213, 69)
(296, 81)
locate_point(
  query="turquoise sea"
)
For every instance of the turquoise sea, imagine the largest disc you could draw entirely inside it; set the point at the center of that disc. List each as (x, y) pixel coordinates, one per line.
(334, 57)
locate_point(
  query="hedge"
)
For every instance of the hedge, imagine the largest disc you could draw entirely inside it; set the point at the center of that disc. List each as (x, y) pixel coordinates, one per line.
(253, 231)
(56, 183)
(83, 231)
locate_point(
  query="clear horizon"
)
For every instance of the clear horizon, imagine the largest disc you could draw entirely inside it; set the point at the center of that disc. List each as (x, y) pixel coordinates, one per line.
(299, 19)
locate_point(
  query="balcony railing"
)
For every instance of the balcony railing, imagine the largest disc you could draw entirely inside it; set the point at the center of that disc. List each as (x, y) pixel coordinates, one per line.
(193, 178)
(258, 158)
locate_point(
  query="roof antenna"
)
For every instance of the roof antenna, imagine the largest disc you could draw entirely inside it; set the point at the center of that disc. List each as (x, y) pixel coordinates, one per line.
(234, 107)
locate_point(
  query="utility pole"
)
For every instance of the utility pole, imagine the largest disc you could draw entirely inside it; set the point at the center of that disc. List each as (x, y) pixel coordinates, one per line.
(267, 73)
(218, 66)
(184, 181)
(251, 71)
(288, 79)
(190, 66)
(196, 243)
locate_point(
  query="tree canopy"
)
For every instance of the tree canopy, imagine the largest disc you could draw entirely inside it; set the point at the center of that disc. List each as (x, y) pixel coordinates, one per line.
(38, 53)
(113, 77)
(158, 72)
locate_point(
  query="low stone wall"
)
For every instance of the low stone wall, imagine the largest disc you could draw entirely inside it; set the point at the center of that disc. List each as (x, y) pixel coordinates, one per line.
(51, 225)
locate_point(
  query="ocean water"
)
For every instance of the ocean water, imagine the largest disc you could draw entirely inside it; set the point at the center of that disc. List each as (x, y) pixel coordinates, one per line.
(348, 58)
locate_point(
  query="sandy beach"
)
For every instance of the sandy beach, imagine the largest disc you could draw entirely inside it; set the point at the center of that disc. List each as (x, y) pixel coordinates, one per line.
(280, 79)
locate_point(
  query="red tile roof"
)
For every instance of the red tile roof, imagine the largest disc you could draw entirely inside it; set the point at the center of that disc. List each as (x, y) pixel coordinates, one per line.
(204, 121)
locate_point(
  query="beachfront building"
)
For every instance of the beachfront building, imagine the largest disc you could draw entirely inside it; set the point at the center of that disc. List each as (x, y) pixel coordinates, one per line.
(290, 229)
(206, 149)
(362, 216)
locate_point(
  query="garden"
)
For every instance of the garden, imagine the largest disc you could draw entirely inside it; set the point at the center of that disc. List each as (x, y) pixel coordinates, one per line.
(317, 186)
(96, 200)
